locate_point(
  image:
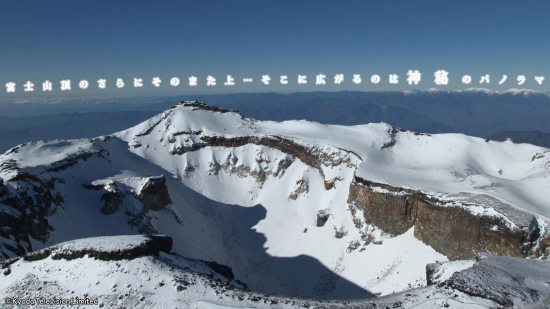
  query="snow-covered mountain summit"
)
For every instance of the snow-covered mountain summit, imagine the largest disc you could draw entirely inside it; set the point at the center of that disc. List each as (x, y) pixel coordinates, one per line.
(294, 208)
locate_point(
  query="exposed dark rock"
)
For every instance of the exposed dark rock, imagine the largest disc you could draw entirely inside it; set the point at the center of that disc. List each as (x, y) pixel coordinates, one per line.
(543, 250)
(152, 245)
(310, 156)
(322, 217)
(393, 132)
(203, 106)
(223, 270)
(26, 212)
(339, 233)
(451, 230)
(151, 128)
(73, 159)
(14, 149)
(282, 166)
(230, 167)
(92, 187)
(6, 263)
(460, 234)
(111, 202)
(393, 213)
(302, 187)
(3, 189)
(431, 270)
(198, 132)
(8, 165)
(154, 194)
(37, 255)
(352, 246)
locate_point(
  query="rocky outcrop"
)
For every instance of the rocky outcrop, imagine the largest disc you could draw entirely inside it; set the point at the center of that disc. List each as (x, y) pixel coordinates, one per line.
(311, 156)
(75, 158)
(542, 248)
(154, 194)
(451, 230)
(203, 106)
(394, 213)
(23, 213)
(3, 189)
(302, 188)
(30, 200)
(223, 270)
(111, 202)
(431, 272)
(231, 166)
(314, 156)
(152, 127)
(130, 247)
(322, 217)
(505, 280)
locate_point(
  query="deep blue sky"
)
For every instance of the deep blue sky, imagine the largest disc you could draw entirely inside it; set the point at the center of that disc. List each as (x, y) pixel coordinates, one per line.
(92, 39)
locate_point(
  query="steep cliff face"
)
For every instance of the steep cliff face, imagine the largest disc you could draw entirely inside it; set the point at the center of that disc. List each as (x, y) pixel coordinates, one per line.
(24, 213)
(313, 157)
(154, 193)
(31, 196)
(452, 230)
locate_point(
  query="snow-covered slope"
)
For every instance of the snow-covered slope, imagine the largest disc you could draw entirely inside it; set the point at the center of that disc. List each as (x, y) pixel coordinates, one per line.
(441, 163)
(141, 272)
(272, 200)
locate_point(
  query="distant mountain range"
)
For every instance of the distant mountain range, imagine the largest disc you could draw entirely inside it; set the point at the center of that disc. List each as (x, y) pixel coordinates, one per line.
(16, 130)
(529, 137)
(476, 112)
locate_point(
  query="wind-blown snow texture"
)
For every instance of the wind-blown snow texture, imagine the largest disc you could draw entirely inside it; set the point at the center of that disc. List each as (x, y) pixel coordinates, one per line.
(247, 194)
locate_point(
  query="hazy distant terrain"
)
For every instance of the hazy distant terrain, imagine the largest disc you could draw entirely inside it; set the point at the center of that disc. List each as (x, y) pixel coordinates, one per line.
(477, 112)
(15, 131)
(531, 137)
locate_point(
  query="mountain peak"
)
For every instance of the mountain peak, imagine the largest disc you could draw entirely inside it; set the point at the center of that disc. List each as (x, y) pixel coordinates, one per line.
(249, 194)
(203, 106)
